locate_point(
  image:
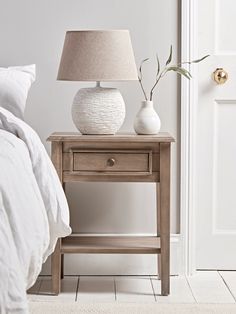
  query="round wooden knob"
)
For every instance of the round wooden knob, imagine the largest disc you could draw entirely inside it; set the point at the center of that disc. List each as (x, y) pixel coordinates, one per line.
(111, 162)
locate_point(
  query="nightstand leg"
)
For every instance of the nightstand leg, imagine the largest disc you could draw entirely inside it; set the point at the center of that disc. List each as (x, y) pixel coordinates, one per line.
(62, 266)
(56, 268)
(62, 255)
(165, 216)
(158, 216)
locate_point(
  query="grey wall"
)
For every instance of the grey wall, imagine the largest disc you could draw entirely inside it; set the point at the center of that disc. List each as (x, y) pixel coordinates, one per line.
(33, 31)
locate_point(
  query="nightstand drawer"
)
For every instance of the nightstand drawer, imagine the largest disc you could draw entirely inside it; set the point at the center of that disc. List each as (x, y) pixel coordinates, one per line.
(111, 161)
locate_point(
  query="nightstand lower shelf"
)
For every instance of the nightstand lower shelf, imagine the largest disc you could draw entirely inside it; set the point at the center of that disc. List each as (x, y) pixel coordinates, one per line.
(111, 244)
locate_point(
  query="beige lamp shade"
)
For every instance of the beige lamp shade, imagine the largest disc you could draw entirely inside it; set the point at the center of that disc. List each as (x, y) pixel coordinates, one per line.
(97, 55)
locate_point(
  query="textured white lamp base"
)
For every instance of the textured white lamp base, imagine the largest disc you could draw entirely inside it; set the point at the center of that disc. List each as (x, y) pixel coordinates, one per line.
(98, 110)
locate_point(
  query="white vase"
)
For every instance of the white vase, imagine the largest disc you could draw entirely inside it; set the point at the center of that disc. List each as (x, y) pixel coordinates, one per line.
(147, 120)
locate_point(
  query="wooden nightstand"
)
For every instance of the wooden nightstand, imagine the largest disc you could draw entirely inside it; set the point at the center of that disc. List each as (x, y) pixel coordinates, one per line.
(116, 158)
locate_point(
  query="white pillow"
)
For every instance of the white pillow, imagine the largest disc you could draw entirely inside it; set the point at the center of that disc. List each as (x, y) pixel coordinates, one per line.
(15, 83)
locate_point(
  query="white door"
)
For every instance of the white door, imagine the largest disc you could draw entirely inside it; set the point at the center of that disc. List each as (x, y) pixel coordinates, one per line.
(216, 138)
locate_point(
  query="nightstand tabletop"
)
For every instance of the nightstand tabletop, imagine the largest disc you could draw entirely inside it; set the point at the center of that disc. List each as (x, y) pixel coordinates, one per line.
(118, 137)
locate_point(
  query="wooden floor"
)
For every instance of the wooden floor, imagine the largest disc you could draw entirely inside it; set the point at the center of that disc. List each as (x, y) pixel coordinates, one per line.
(204, 287)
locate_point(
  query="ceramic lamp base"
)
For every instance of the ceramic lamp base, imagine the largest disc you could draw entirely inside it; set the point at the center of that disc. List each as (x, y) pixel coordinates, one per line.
(98, 110)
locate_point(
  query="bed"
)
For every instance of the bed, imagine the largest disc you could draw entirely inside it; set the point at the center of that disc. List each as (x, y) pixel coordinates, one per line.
(33, 211)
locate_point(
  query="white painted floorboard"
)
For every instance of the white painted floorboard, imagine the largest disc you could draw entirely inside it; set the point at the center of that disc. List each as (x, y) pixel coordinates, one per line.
(96, 289)
(208, 287)
(229, 278)
(204, 287)
(180, 291)
(134, 289)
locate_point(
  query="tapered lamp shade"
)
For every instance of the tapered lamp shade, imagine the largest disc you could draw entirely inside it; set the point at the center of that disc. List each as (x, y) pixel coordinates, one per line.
(97, 56)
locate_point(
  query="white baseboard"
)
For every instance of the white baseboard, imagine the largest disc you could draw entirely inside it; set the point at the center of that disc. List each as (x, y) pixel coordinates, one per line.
(118, 264)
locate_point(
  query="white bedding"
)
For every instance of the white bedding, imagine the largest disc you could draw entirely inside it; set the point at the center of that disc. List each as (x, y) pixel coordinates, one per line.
(33, 211)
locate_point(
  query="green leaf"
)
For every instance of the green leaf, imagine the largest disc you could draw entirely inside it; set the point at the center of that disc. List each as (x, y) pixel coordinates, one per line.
(141, 64)
(196, 61)
(180, 71)
(170, 56)
(158, 65)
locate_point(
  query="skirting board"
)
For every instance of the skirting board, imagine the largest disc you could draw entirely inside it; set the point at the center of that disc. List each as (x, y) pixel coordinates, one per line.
(118, 264)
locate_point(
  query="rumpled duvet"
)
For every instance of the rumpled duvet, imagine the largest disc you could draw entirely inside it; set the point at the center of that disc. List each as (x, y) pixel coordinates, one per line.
(33, 211)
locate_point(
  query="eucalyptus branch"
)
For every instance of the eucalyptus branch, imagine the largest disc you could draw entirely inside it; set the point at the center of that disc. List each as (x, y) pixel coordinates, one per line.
(158, 66)
(193, 61)
(143, 90)
(140, 77)
(155, 84)
(160, 73)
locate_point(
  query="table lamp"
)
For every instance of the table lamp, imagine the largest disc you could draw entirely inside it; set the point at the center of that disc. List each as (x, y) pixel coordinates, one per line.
(98, 55)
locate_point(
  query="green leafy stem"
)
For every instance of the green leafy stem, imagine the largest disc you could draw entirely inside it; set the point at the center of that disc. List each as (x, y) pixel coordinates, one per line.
(161, 72)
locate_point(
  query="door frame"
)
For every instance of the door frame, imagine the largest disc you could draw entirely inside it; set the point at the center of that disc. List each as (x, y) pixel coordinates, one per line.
(189, 100)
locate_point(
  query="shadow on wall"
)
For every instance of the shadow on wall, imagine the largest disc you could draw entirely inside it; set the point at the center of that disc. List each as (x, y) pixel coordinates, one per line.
(110, 207)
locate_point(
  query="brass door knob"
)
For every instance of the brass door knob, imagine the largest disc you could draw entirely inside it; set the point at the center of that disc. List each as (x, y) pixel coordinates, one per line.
(220, 76)
(111, 162)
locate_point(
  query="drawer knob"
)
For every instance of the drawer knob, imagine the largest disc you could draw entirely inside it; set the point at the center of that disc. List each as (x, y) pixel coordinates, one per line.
(111, 162)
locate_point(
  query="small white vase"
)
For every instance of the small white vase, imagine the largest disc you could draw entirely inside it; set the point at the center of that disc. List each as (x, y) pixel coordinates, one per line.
(147, 120)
